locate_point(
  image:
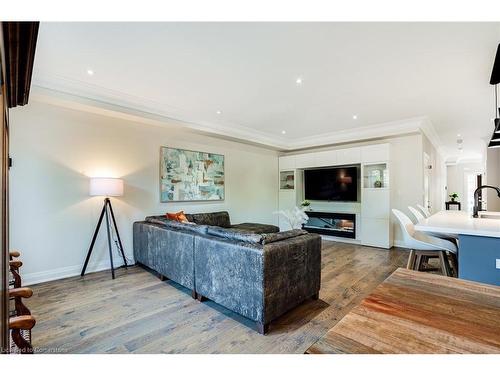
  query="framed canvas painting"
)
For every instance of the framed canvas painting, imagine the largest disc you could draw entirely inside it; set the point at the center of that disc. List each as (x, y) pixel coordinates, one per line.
(187, 175)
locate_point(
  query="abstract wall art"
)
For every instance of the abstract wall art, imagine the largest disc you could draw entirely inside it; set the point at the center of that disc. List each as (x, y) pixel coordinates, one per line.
(190, 175)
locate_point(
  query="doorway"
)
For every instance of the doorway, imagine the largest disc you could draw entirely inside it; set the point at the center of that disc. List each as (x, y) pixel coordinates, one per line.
(427, 181)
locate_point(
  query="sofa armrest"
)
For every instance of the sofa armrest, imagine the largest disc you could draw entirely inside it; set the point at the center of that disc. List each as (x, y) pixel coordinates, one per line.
(168, 251)
(230, 274)
(292, 273)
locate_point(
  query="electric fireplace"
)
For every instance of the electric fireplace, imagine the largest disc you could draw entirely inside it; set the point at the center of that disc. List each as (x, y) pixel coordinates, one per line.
(331, 224)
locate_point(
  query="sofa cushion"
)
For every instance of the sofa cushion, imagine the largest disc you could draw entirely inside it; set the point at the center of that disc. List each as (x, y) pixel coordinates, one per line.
(177, 216)
(162, 220)
(234, 234)
(280, 236)
(218, 219)
(256, 228)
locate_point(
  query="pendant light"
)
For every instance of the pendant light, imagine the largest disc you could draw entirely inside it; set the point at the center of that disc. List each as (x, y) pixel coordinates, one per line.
(495, 137)
(497, 126)
(495, 80)
(493, 144)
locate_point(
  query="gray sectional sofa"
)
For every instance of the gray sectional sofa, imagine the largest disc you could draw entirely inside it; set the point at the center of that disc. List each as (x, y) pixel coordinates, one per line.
(252, 269)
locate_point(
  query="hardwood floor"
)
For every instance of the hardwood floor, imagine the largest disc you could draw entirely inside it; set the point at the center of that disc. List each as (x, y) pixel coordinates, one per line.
(138, 313)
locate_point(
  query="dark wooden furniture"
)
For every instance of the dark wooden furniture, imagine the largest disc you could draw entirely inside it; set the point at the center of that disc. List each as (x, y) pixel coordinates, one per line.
(453, 203)
(415, 312)
(17, 53)
(20, 319)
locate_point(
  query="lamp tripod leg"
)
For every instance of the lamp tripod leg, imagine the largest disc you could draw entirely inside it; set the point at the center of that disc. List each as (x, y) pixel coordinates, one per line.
(117, 233)
(109, 239)
(93, 240)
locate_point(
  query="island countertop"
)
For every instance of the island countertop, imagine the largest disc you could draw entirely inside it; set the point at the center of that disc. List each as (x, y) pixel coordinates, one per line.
(459, 222)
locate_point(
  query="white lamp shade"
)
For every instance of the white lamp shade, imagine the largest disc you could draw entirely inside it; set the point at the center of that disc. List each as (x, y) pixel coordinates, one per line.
(110, 187)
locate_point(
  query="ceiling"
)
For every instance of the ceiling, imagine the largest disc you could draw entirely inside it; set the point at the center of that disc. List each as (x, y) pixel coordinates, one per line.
(240, 79)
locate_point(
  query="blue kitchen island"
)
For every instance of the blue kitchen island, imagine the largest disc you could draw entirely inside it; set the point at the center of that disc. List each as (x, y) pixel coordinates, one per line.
(478, 242)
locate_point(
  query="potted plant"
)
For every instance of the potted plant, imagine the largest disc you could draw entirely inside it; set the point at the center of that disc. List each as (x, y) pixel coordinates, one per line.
(453, 196)
(295, 217)
(305, 204)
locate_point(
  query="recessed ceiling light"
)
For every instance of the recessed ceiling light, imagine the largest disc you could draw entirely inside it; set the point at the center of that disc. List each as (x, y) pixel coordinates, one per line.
(218, 112)
(458, 135)
(298, 81)
(354, 117)
(90, 72)
(283, 132)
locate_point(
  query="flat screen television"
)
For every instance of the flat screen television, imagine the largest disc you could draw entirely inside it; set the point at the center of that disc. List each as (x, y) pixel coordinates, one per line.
(331, 184)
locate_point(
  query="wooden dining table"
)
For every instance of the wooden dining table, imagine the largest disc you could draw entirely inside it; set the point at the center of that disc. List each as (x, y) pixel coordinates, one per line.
(417, 312)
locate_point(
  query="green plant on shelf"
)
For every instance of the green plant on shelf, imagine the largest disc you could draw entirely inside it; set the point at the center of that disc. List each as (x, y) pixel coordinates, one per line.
(453, 197)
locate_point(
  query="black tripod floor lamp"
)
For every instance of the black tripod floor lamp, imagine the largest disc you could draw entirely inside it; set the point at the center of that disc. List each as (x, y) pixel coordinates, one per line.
(106, 187)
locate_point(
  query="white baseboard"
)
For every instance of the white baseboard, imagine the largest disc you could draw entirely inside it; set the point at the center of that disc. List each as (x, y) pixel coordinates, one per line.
(340, 239)
(401, 244)
(64, 272)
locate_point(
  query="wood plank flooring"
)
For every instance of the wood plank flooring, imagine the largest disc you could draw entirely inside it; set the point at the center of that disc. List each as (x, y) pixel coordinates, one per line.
(416, 312)
(138, 313)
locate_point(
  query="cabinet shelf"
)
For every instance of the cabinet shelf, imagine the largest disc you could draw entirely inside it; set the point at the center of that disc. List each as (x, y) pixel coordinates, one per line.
(287, 180)
(375, 176)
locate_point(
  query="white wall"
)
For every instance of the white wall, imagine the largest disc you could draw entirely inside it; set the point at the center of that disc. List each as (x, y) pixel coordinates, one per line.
(457, 180)
(493, 178)
(407, 177)
(55, 150)
(437, 176)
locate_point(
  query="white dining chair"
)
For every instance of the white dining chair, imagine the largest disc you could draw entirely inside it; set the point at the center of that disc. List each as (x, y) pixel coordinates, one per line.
(424, 210)
(416, 213)
(422, 245)
(422, 260)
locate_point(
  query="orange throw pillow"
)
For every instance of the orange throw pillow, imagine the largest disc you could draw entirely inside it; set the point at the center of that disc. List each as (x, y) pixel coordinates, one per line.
(178, 216)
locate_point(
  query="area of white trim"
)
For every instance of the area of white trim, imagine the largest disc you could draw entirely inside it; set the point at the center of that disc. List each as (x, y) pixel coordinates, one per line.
(377, 131)
(340, 239)
(400, 244)
(69, 93)
(76, 95)
(430, 132)
(64, 272)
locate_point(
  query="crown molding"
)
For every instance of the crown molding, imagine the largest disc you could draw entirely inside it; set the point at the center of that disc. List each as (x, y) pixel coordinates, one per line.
(64, 100)
(69, 90)
(377, 131)
(82, 96)
(429, 131)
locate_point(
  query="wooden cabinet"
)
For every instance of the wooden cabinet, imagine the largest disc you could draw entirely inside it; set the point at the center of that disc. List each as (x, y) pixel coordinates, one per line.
(326, 158)
(375, 232)
(376, 203)
(375, 222)
(374, 216)
(375, 153)
(349, 156)
(305, 160)
(287, 162)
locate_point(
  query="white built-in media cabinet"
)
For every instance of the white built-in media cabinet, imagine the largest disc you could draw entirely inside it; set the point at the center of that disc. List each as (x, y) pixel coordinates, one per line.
(372, 210)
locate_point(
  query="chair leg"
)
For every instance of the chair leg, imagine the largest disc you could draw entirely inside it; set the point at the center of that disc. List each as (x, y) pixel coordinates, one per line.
(454, 263)
(411, 260)
(445, 266)
(418, 262)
